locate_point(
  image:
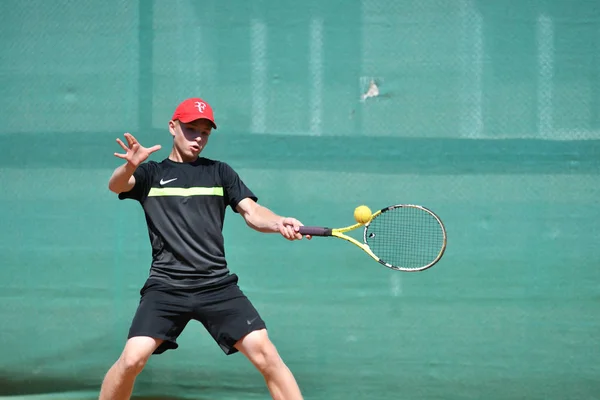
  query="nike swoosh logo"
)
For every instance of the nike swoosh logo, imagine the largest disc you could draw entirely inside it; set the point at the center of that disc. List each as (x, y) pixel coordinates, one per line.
(250, 321)
(163, 182)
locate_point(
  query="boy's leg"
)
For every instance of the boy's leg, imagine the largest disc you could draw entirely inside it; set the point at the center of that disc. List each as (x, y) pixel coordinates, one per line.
(259, 349)
(236, 325)
(159, 320)
(119, 380)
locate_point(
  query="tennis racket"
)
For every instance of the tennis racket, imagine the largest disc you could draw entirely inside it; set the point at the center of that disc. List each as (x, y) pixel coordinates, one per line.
(403, 237)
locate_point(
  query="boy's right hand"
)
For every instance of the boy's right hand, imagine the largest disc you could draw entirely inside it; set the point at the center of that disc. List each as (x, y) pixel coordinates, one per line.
(135, 154)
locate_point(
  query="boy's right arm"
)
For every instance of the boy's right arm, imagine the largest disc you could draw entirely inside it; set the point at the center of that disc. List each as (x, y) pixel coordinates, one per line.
(122, 179)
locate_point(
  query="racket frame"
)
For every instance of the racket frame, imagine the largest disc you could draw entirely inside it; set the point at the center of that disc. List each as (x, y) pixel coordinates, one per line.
(340, 233)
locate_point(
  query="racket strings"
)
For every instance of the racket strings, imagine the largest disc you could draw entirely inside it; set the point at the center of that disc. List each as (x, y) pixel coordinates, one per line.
(406, 237)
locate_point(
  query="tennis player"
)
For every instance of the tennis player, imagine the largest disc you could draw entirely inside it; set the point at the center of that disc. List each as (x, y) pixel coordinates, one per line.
(184, 198)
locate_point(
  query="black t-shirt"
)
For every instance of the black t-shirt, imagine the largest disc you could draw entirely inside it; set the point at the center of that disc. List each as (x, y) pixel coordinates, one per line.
(184, 205)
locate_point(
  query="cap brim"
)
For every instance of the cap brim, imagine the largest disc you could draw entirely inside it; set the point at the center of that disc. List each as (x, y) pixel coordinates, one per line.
(187, 120)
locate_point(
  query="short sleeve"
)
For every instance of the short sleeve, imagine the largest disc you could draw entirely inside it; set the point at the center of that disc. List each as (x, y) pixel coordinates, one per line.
(234, 189)
(143, 182)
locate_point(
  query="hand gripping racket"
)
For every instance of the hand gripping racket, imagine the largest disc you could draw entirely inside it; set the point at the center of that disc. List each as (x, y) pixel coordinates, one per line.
(403, 237)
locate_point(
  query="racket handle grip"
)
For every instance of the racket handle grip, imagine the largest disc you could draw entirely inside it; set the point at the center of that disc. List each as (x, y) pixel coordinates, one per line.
(315, 231)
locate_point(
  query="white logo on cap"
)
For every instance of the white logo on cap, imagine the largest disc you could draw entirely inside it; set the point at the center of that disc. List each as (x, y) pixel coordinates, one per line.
(200, 106)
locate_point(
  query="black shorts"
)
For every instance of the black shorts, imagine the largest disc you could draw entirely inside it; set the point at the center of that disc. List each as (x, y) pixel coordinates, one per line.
(224, 310)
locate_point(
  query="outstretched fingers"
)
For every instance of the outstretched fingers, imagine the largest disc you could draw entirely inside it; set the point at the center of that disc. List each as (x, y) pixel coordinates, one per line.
(123, 156)
(120, 142)
(135, 153)
(130, 139)
(154, 148)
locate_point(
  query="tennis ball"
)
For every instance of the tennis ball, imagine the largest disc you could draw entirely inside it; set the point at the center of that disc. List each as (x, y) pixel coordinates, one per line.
(362, 214)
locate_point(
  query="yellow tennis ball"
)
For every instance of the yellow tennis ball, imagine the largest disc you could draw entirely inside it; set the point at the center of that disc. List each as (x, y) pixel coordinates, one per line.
(362, 214)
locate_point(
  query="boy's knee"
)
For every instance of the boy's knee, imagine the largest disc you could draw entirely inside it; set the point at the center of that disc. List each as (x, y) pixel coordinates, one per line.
(136, 353)
(266, 358)
(261, 352)
(132, 363)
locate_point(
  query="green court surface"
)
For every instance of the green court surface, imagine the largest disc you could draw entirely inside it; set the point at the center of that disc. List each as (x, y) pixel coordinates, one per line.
(488, 113)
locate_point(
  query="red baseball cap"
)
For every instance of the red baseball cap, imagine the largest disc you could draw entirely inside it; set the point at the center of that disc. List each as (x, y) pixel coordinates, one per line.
(192, 109)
